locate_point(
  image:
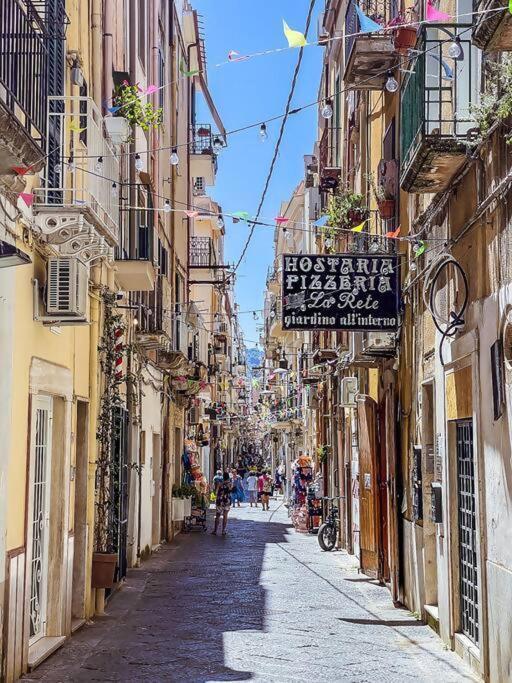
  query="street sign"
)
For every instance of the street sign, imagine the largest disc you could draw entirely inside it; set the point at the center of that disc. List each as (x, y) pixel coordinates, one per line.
(357, 292)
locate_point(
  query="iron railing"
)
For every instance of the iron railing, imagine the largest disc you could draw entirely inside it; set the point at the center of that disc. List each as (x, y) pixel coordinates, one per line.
(381, 11)
(24, 65)
(438, 96)
(87, 164)
(201, 252)
(202, 139)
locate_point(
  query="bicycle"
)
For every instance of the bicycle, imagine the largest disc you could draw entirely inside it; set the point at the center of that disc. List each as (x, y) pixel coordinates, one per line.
(328, 531)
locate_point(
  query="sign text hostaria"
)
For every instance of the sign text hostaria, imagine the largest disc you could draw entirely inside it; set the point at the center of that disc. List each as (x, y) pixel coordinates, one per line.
(340, 292)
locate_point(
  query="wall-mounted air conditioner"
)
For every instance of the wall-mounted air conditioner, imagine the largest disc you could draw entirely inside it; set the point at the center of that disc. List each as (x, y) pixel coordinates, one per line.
(379, 343)
(348, 391)
(67, 288)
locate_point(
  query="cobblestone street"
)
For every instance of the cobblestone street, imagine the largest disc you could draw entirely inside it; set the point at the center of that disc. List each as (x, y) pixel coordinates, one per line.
(262, 604)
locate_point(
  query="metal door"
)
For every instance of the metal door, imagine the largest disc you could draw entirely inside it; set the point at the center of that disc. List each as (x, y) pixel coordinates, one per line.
(468, 566)
(40, 459)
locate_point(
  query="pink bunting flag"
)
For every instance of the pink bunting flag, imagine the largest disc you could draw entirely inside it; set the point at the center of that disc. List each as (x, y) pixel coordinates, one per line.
(151, 89)
(21, 170)
(280, 220)
(191, 214)
(433, 14)
(234, 56)
(27, 197)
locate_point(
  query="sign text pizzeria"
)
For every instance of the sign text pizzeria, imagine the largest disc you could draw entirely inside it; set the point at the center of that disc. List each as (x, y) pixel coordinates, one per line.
(340, 292)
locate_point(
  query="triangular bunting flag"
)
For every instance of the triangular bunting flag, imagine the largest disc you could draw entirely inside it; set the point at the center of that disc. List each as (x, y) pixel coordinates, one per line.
(393, 234)
(448, 71)
(433, 14)
(22, 170)
(191, 214)
(366, 25)
(113, 110)
(75, 127)
(280, 220)
(321, 222)
(359, 227)
(27, 197)
(510, 6)
(184, 72)
(240, 215)
(151, 89)
(234, 56)
(419, 249)
(294, 38)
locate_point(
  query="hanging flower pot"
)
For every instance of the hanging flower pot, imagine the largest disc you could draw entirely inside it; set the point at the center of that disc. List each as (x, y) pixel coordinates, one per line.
(103, 570)
(405, 37)
(386, 208)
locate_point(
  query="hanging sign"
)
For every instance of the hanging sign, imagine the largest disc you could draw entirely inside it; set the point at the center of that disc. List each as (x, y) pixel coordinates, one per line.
(357, 292)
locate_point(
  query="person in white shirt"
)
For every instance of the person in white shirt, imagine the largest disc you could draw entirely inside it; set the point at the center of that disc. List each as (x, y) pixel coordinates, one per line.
(252, 488)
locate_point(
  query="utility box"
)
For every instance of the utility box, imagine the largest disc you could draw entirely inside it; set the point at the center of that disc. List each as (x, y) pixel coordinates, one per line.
(437, 502)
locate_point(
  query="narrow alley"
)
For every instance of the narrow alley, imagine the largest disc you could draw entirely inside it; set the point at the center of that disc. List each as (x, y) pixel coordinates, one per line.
(262, 604)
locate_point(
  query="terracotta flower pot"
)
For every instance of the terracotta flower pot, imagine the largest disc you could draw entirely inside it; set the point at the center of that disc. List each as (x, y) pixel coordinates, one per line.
(103, 570)
(386, 208)
(405, 38)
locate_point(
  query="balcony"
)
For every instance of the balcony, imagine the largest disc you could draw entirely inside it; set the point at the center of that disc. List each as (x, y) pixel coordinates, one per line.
(76, 201)
(369, 56)
(203, 160)
(492, 30)
(329, 165)
(274, 322)
(135, 269)
(436, 112)
(203, 262)
(273, 279)
(23, 86)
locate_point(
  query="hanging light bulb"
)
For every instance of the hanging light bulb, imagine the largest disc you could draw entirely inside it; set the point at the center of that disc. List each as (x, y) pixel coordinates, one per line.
(167, 206)
(455, 50)
(416, 247)
(113, 190)
(413, 267)
(220, 222)
(328, 242)
(71, 163)
(99, 165)
(327, 109)
(255, 315)
(217, 144)
(139, 164)
(263, 132)
(174, 158)
(391, 83)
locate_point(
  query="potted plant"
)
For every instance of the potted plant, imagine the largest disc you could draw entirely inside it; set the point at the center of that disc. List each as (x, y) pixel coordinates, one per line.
(385, 204)
(130, 110)
(322, 452)
(188, 492)
(178, 504)
(346, 209)
(405, 36)
(105, 556)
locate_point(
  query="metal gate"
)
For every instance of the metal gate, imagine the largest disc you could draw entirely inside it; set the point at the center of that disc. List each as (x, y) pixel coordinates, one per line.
(119, 489)
(468, 566)
(40, 485)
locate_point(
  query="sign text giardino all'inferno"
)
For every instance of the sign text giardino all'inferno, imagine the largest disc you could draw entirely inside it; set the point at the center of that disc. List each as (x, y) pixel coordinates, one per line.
(340, 292)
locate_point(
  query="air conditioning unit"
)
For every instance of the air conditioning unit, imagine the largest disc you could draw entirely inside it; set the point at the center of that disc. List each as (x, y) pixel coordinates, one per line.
(349, 390)
(67, 287)
(379, 343)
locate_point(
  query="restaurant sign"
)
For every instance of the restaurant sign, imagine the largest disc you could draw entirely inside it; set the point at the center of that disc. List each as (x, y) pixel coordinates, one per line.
(355, 292)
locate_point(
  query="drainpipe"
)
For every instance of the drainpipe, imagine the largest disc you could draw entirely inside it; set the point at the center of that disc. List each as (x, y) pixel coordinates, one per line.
(96, 21)
(189, 179)
(108, 56)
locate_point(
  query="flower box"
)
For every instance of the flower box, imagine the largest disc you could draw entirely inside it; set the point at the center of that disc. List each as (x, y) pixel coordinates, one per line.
(178, 509)
(405, 38)
(118, 128)
(103, 570)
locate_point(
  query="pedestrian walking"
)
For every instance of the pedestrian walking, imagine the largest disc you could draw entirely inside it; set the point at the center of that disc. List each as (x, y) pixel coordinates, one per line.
(223, 503)
(252, 488)
(237, 494)
(260, 484)
(266, 490)
(217, 480)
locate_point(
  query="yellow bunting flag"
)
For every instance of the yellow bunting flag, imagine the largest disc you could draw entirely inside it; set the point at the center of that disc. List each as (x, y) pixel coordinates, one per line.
(75, 127)
(359, 227)
(294, 38)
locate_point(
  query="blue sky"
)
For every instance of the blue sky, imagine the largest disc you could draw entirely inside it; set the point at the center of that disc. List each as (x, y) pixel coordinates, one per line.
(247, 92)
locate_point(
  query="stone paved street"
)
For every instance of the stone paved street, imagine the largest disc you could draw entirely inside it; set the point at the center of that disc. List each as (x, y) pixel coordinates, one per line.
(263, 604)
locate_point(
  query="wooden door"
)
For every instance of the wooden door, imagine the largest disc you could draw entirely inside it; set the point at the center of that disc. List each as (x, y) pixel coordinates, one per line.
(368, 487)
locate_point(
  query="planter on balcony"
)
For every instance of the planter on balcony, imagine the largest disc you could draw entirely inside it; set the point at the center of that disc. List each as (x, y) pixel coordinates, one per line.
(178, 509)
(118, 128)
(386, 209)
(187, 507)
(405, 37)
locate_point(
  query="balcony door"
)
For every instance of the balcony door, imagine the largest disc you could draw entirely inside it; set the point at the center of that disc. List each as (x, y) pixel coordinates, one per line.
(39, 512)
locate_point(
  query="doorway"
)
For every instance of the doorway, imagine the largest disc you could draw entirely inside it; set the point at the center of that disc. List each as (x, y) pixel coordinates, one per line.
(40, 480)
(467, 531)
(430, 472)
(156, 527)
(80, 511)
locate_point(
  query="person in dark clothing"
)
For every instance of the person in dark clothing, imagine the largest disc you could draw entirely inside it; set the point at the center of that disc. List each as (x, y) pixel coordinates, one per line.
(223, 503)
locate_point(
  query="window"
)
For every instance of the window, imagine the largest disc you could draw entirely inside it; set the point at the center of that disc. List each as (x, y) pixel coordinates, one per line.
(142, 32)
(161, 78)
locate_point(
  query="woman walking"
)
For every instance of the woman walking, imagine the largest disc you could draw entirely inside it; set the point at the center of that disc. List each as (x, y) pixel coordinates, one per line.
(266, 489)
(237, 495)
(223, 503)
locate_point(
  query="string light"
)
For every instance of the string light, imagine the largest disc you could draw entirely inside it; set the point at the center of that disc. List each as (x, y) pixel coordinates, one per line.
(99, 165)
(139, 164)
(263, 132)
(391, 83)
(113, 190)
(218, 145)
(174, 158)
(327, 109)
(455, 50)
(220, 222)
(71, 163)
(167, 206)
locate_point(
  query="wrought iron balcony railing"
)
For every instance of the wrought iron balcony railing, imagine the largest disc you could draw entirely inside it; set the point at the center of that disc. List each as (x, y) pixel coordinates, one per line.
(201, 252)
(82, 174)
(436, 109)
